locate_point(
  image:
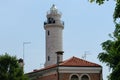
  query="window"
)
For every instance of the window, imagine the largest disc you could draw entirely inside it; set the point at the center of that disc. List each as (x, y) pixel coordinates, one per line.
(48, 58)
(74, 77)
(84, 77)
(51, 20)
(48, 32)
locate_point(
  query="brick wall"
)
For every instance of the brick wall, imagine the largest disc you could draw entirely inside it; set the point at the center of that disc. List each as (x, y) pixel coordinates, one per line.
(49, 77)
(95, 76)
(66, 76)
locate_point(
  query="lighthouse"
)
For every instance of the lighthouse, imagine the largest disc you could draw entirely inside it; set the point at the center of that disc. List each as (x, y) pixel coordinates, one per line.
(53, 35)
(55, 68)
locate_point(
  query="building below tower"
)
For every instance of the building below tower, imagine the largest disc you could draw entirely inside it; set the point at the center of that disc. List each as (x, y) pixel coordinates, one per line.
(71, 69)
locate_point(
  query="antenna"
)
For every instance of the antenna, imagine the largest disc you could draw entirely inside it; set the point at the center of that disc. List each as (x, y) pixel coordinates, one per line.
(84, 56)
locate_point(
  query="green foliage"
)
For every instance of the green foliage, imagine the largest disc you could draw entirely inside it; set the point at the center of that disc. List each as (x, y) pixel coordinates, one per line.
(10, 69)
(117, 32)
(98, 1)
(116, 14)
(111, 54)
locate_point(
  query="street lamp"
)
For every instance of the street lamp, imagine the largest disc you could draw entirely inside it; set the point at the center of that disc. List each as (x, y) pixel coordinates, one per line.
(24, 43)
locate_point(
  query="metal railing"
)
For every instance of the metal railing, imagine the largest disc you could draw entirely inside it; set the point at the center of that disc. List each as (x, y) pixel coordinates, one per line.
(48, 22)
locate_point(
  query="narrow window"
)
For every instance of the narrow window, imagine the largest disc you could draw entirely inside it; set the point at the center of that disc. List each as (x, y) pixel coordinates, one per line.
(48, 58)
(48, 32)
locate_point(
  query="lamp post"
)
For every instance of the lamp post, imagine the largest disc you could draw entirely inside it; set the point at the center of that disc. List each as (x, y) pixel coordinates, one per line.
(24, 43)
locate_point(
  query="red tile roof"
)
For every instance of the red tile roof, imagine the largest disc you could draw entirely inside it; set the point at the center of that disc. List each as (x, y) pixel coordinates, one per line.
(72, 62)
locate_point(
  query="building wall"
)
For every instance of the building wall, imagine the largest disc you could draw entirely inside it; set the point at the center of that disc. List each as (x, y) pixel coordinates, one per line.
(67, 76)
(49, 77)
(95, 76)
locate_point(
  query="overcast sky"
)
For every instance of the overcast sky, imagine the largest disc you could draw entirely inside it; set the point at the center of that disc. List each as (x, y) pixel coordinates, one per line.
(86, 27)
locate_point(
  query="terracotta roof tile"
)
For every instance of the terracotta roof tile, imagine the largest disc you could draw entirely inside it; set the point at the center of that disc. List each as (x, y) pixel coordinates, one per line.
(74, 61)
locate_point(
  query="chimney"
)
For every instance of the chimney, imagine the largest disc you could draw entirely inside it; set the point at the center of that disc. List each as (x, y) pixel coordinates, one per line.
(59, 56)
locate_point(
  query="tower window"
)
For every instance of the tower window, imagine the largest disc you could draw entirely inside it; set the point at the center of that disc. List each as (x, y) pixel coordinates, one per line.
(48, 58)
(48, 32)
(51, 20)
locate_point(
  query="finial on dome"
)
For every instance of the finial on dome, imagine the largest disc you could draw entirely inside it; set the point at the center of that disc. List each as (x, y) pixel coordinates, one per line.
(53, 8)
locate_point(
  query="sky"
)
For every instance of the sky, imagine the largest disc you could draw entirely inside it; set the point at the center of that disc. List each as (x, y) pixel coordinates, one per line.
(87, 25)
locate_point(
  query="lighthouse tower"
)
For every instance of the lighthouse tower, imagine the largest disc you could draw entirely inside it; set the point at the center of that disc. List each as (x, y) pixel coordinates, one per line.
(53, 30)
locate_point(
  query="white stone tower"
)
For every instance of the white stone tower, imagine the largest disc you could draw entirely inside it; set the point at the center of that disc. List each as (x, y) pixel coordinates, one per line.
(53, 30)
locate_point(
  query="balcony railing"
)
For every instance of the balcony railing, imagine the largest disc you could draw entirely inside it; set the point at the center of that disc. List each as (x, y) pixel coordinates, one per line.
(53, 22)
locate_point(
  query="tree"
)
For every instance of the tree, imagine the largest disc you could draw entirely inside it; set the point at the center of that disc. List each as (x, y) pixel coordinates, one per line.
(10, 69)
(111, 54)
(116, 14)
